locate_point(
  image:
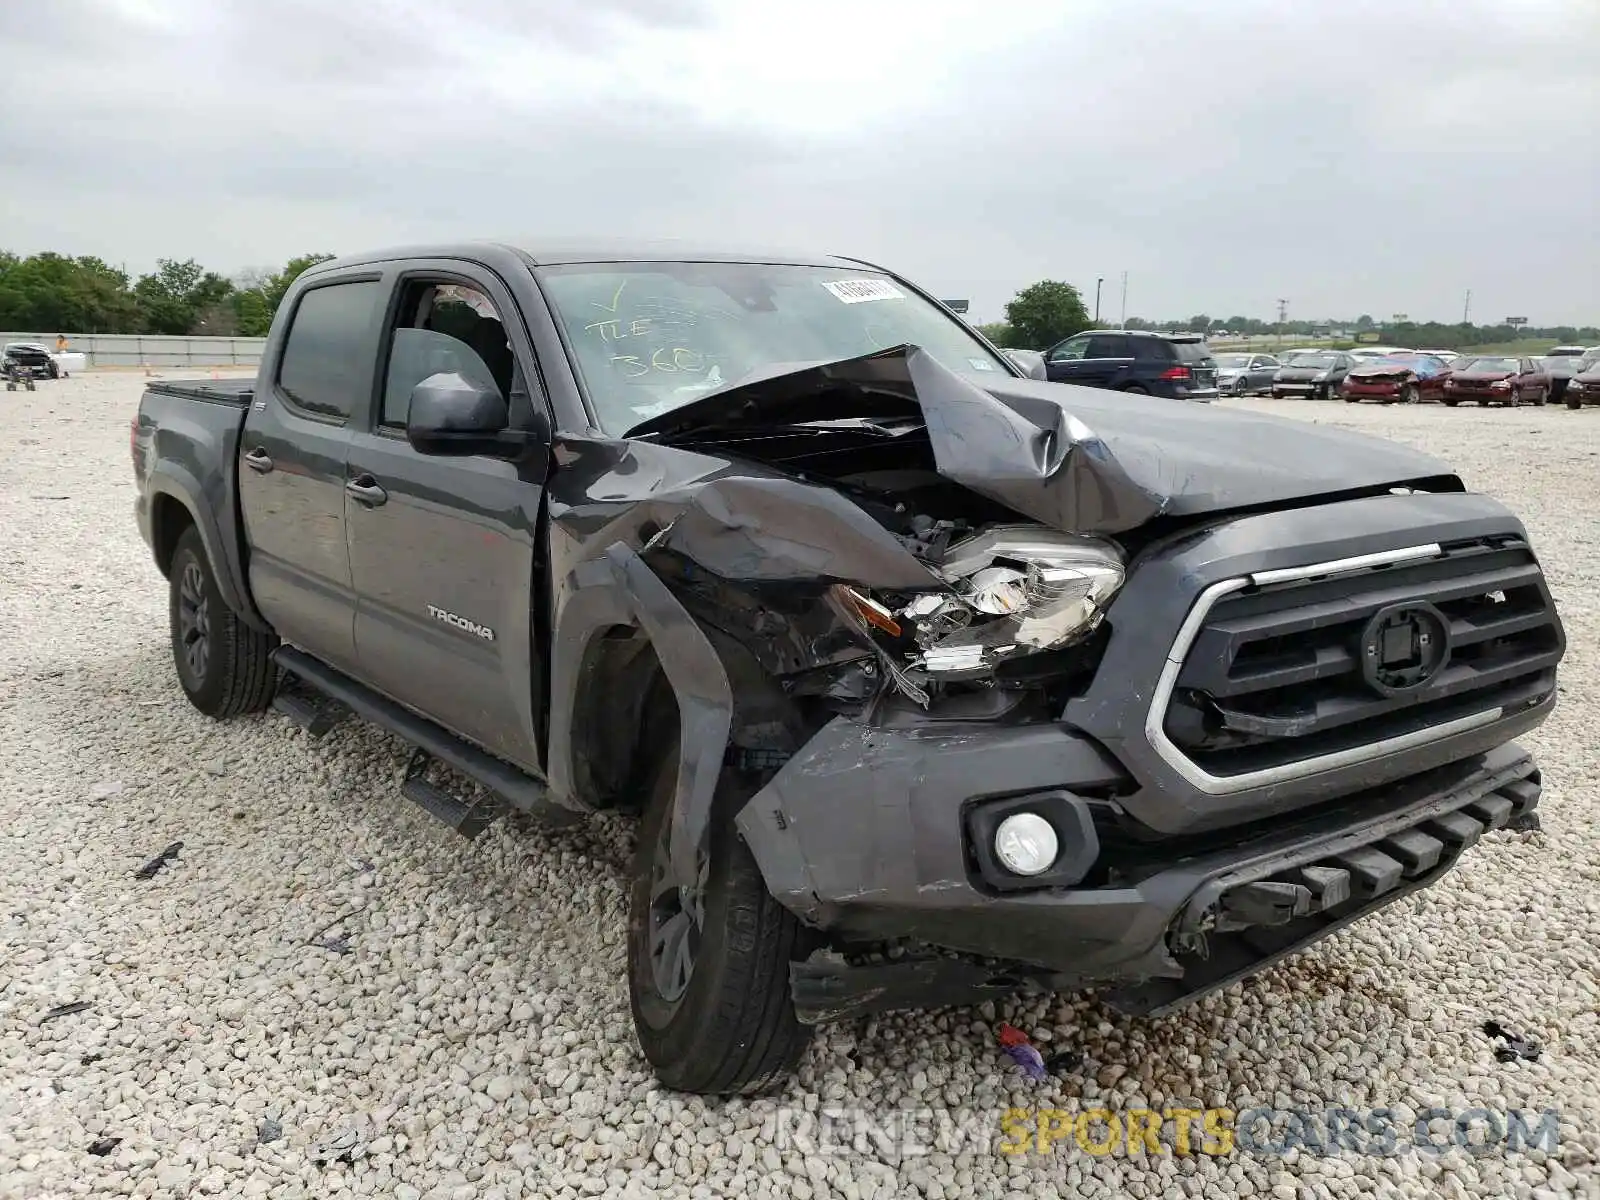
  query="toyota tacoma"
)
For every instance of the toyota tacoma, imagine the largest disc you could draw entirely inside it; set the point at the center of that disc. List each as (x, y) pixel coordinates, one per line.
(929, 682)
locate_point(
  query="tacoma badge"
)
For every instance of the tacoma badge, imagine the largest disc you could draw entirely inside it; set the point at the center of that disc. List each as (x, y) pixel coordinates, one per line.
(450, 618)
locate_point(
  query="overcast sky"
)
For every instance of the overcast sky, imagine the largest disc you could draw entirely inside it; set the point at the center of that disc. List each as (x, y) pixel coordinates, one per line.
(1349, 156)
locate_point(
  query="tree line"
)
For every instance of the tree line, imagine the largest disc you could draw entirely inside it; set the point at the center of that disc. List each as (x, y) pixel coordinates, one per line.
(52, 293)
(1044, 313)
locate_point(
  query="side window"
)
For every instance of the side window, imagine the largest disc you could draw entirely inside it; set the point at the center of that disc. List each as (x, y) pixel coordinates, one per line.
(324, 355)
(1105, 345)
(1151, 350)
(443, 328)
(1070, 349)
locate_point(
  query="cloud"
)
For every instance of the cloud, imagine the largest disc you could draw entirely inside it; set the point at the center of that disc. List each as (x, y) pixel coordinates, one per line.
(1360, 157)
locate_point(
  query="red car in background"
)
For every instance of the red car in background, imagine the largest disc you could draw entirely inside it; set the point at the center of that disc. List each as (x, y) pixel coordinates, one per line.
(1406, 377)
(1497, 379)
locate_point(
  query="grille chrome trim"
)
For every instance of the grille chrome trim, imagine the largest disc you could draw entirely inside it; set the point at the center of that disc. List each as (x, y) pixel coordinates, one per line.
(1224, 785)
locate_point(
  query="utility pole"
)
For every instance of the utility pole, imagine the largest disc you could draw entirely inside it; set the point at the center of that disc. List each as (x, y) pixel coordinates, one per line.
(1466, 309)
(1123, 324)
(1283, 318)
(1097, 284)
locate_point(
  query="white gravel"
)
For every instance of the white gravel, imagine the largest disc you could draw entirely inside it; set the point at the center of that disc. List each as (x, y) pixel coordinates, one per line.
(475, 1040)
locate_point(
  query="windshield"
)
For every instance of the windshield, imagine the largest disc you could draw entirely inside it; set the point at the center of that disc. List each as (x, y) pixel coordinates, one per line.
(1313, 360)
(649, 337)
(1494, 364)
(1232, 361)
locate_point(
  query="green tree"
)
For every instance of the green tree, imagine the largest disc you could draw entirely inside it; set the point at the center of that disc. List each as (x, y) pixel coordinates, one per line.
(50, 293)
(1365, 321)
(1199, 324)
(1045, 312)
(999, 333)
(173, 298)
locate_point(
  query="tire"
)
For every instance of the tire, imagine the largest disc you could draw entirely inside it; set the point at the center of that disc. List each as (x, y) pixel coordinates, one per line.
(1450, 403)
(1540, 398)
(1352, 399)
(729, 1028)
(1411, 394)
(1516, 398)
(224, 666)
(1574, 402)
(1134, 389)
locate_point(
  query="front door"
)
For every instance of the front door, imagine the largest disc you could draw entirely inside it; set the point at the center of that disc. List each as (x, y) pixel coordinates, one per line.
(1063, 363)
(443, 550)
(292, 465)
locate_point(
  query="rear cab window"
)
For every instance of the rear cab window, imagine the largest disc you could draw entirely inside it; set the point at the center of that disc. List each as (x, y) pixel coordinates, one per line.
(324, 369)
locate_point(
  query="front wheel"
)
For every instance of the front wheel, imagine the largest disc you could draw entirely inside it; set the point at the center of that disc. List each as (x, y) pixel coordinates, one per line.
(708, 958)
(1574, 401)
(224, 666)
(1516, 398)
(1411, 395)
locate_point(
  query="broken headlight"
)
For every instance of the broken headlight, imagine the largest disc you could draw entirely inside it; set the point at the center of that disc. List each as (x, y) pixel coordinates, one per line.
(1013, 590)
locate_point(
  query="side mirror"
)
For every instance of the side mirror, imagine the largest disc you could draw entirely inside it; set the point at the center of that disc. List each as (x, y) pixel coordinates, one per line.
(454, 416)
(1029, 362)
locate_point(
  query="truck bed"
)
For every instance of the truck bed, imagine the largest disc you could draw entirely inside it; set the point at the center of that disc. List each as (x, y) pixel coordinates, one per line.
(236, 393)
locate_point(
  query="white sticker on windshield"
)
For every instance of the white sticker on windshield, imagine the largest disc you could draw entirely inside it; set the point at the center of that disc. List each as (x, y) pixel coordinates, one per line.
(859, 291)
(980, 364)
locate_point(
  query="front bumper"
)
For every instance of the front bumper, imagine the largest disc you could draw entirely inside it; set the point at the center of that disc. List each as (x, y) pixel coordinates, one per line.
(1375, 391)
(873, 833)
(887, 859)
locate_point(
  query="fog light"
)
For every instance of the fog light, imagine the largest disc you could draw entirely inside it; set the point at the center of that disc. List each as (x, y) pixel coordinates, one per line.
(1026, 844)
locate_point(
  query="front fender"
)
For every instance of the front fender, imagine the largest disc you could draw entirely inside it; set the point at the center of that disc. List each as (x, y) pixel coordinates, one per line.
(618, 588)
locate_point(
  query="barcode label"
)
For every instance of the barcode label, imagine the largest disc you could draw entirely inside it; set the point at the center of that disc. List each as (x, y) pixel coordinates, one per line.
(858, 291)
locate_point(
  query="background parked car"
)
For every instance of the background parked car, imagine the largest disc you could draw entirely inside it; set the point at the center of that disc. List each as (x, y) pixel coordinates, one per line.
(1176, 366)
(1245, 374)
(35, 360)
(1561, 364)
(1316, 375)
(1584, 386)
(1407, 378)
(1497, 379)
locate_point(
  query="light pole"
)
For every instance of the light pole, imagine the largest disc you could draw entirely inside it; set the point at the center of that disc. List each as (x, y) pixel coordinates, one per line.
(1097, 284)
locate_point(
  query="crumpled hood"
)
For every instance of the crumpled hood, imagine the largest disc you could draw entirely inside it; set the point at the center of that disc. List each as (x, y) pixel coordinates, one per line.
(1081, 460)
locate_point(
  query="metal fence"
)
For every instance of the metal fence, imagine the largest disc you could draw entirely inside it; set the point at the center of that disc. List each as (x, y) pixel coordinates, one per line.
(152, 350)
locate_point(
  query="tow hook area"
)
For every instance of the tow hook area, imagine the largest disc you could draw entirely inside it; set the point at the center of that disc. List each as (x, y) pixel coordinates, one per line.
(1242, 921)
(1368, 872)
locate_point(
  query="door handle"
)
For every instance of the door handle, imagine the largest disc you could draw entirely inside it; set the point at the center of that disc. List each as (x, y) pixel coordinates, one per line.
(364, 489)
(258, 460)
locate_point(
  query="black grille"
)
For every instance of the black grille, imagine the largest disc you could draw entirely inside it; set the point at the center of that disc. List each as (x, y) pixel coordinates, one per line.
(1276, 675)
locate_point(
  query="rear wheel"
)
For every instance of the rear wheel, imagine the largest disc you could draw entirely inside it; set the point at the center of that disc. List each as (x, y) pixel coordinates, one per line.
(224, 666)
(1136, 390)
(1539, 398)
(1451, 403)
(708, 958)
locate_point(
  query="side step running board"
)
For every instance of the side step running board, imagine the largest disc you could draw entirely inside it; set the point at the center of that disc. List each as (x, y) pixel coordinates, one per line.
(315, 717)
(469, 820)
(513, 787)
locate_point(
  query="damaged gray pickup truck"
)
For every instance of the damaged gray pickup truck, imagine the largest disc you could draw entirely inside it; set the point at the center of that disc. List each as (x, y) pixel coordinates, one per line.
(929, 682)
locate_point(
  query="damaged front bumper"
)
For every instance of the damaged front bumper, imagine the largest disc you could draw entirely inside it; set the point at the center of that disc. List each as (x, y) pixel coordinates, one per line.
(871, 836)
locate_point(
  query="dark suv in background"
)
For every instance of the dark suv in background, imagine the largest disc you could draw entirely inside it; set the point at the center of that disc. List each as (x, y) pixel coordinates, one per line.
(1180, 368)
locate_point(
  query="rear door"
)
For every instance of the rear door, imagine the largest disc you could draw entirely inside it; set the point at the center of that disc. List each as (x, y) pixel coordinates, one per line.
(292, 462)
(444, 551)
(1202, 366)
(1108, 361)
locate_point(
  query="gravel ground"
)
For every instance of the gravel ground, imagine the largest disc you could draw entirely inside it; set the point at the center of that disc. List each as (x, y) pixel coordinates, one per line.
(462, 1028)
